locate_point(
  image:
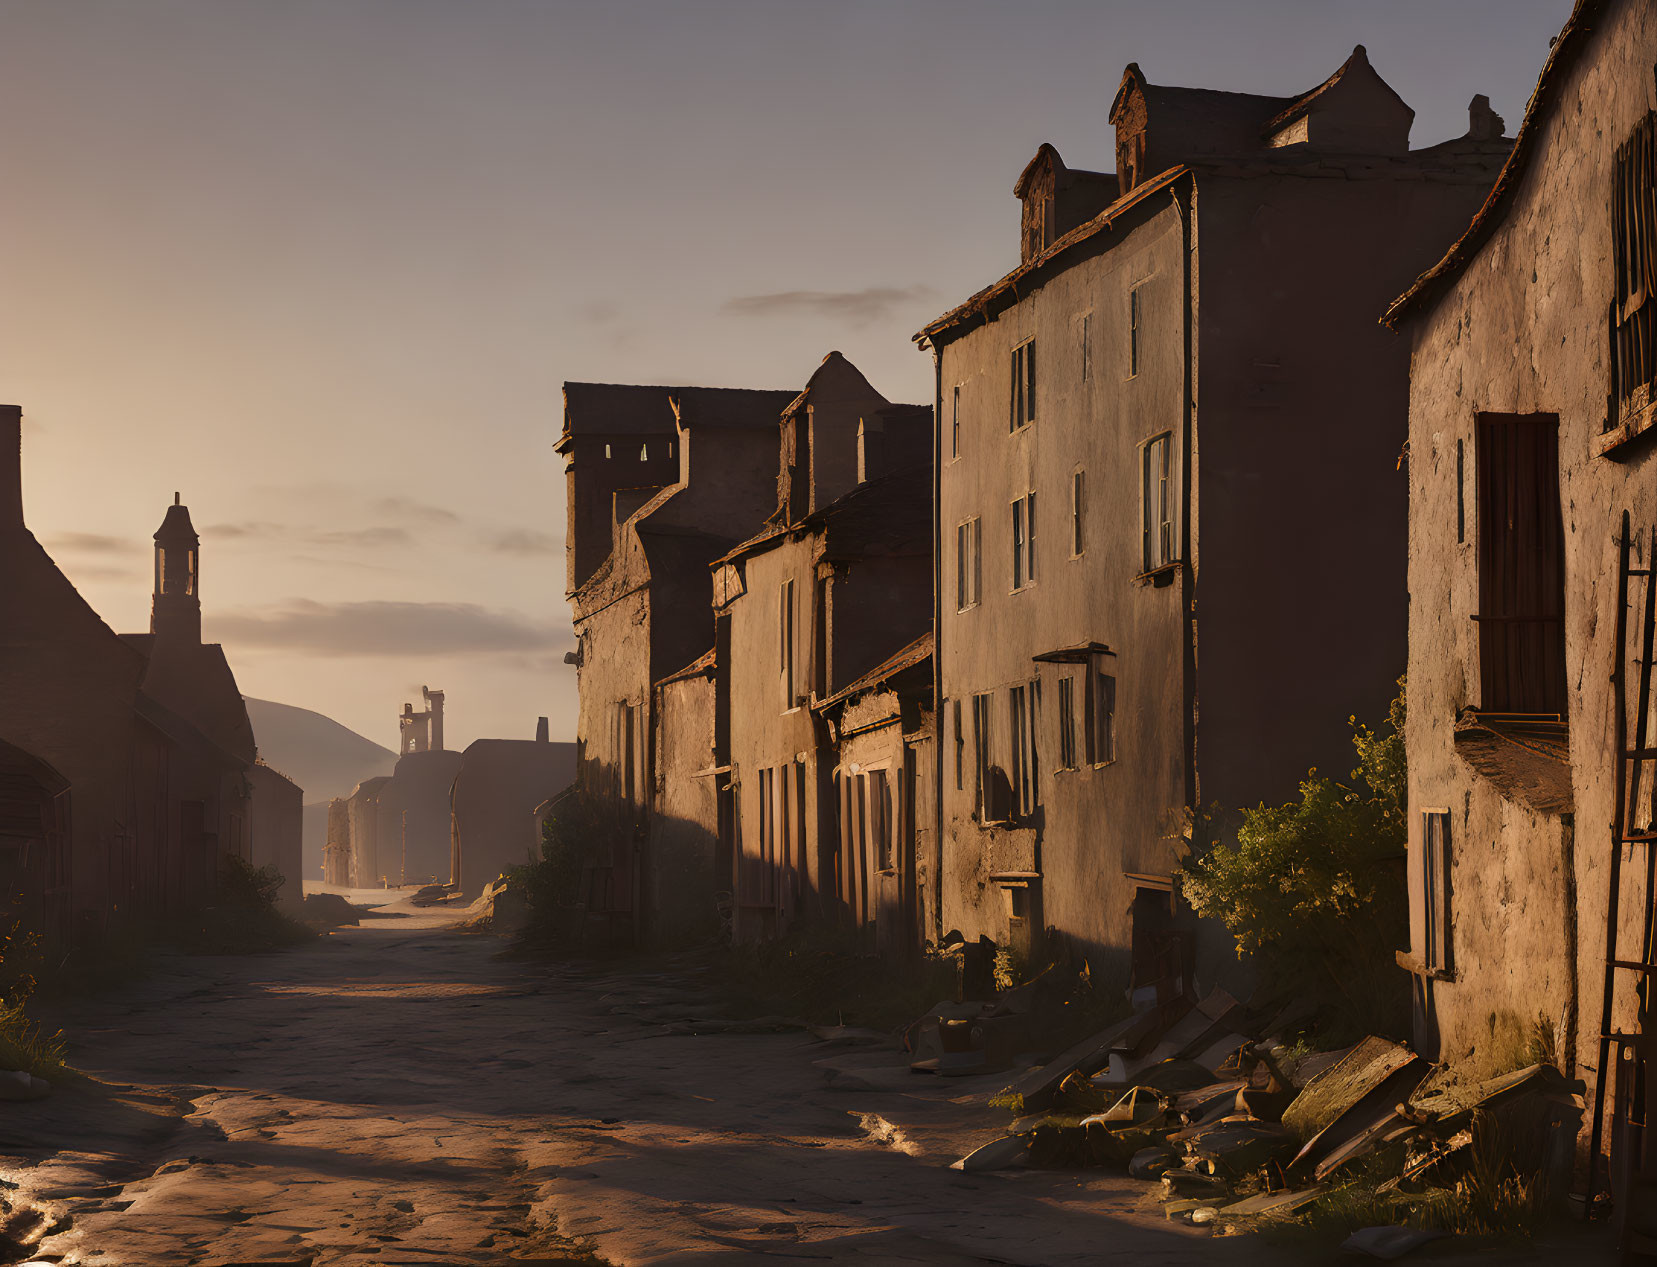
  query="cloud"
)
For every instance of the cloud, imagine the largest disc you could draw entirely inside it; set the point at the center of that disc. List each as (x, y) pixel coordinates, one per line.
(520, 541)
(409, 508)
(91, 543)
(858, 307)
(386, 629)
(362, 538)
(375, 538)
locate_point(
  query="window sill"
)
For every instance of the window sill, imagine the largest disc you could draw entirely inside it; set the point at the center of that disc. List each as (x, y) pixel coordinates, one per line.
(961, 611)
(1159, 576)
(1022, 589)
(1410, 964)
(1637, 422)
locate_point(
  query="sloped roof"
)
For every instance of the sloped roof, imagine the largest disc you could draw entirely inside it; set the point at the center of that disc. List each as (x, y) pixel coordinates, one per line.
(702, 666)
(1359, 61)
(979, 303)
(633, 409)
(888, 513)
(1567, 49)
(917, 652)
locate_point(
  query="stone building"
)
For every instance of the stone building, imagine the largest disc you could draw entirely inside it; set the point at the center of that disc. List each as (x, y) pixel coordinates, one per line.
(661, 481)
(837, 581)
(373, 863)
(493, 801)
(1160, 438)
(34, 843)
(882, 735)
(190, 693)
(1533, 348)
(276, 836)
(147, 731)
(336, 852)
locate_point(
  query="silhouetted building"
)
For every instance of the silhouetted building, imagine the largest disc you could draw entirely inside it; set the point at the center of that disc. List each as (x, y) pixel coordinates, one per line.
(495, 794)
(1088, 544)
(148, 731)
(423, 731)
(336, 852)
(838, 581)
(276, 812)
(34, 844)
(661, 481)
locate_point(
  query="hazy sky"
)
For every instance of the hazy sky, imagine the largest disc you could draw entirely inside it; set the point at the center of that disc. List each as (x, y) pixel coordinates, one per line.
(322, 265)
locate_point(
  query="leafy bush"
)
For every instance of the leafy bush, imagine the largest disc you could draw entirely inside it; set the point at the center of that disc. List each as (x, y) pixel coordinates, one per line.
(582, 829)
(243, 917)
(1314, 890)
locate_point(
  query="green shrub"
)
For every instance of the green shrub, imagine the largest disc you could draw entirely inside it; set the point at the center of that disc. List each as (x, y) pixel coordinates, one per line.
(1314, 890)
(582, 830)
(242, 918)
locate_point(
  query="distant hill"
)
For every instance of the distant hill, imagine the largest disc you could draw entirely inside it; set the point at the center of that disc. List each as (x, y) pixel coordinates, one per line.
(316, 752)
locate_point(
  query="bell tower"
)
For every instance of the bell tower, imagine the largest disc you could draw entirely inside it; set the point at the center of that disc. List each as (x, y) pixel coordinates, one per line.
(176, 611)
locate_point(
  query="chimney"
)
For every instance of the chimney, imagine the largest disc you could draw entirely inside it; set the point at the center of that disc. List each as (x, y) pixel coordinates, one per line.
(1483, 123)
(541, 735)
(11, 466)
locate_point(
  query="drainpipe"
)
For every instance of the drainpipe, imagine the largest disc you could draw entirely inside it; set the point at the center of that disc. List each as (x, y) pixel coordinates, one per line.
(938, 719)
(1188, 586)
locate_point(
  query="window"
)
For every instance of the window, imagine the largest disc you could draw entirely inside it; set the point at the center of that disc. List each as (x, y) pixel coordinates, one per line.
(960, 750)
(1067, 723)
(982, 758)
(628, 750)
(969, 563)
(1133, 332)
(1633, 308)
(785, 643)
(1100, 707)
(606, 452)
(955, 423)
(1156, 497)
(1087, 345)
(820, 640)
(881, 820)
(1521, 565)
(1024, 541)
(1078, 482)
(644, 453)
(1461, 493)
(1022, 714)
(1022, 405)
(1435, 890)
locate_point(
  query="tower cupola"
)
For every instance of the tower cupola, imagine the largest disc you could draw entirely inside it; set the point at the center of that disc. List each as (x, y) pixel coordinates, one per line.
(176, 611)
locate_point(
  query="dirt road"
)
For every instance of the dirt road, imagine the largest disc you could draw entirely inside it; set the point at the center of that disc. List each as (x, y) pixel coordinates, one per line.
(395, 1094)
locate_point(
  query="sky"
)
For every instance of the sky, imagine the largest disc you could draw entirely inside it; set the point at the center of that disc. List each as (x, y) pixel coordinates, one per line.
(322, 266)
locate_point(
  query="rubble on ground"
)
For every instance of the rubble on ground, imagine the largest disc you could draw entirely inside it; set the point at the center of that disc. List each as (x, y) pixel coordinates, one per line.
(1235, 1122)
(327, 910)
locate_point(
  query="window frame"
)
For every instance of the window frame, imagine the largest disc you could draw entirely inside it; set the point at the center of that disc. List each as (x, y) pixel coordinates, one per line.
(1023, 524)
(1067, 722)
(1023, 711)
(955, 424)
(1437, 948)
(983, 749)
(1099, 713)
(1021, 396)
(1135, 312)
(1078, 512)
(1163, 549)
(785, 644)
(969, 548)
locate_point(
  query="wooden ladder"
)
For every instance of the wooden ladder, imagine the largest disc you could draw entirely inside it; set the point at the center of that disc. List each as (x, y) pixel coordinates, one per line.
(1618, 1048)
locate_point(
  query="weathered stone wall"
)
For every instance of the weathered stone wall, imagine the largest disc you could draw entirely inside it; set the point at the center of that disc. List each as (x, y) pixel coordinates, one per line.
(1523, 330)
(276, 808)
(682, 877)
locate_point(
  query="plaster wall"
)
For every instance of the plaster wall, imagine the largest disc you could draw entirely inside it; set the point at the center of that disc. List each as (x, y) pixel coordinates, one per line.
(1522, 329)
(682, 878)
(769, 732)
(276, 808)
(1095, 824)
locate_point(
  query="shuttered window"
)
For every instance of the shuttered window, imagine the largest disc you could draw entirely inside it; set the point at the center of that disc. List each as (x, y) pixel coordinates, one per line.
(1521, 565)
(1634, 237)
